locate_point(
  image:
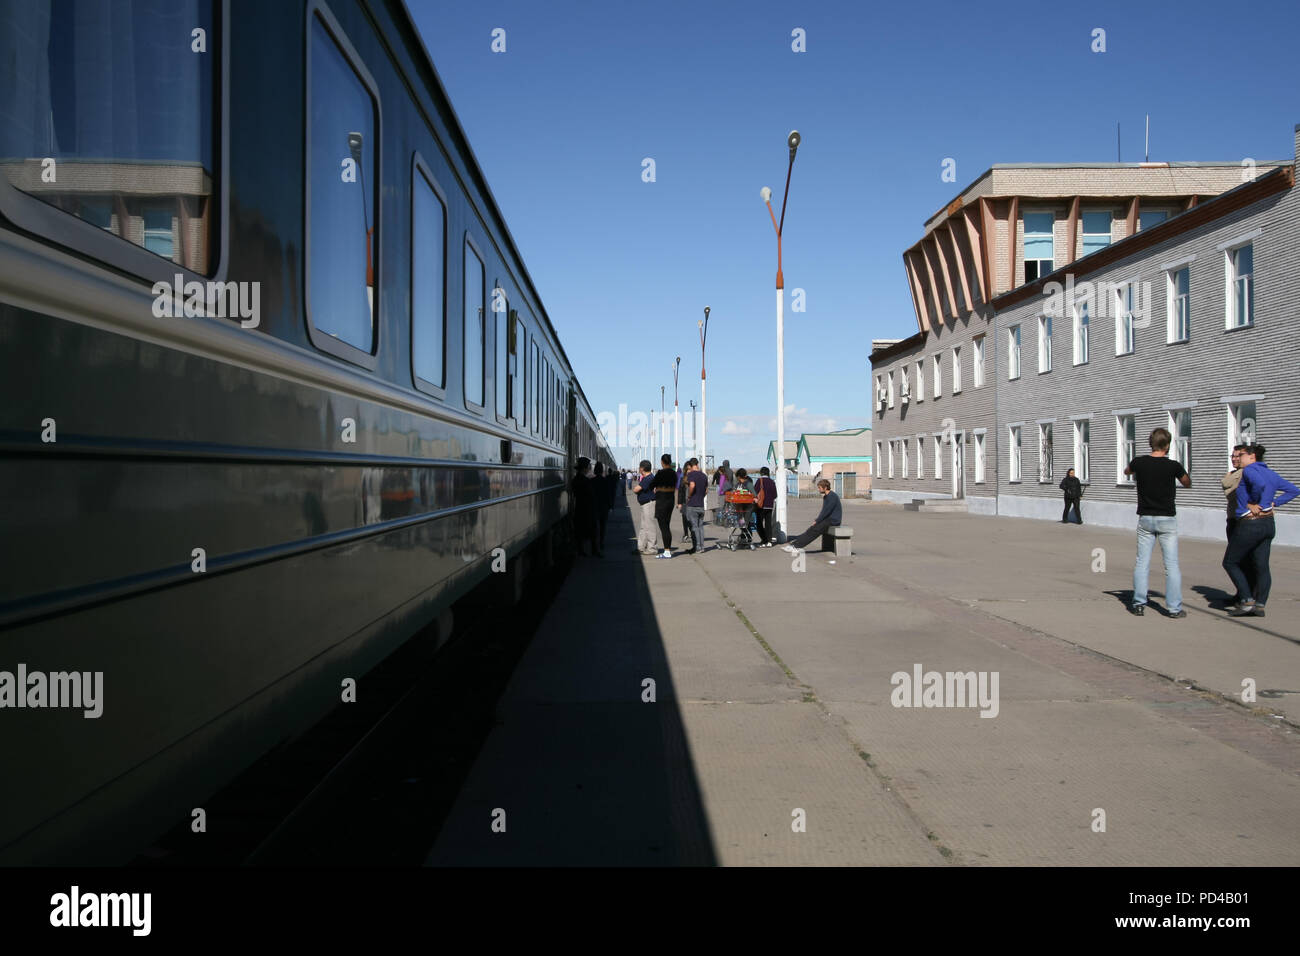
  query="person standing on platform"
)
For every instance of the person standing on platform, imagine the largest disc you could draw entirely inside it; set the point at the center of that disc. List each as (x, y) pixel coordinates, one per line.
(764, 502)
(601, 499)
(1073, 489)
(1230, 482)
(665, 485)
(830, 516)
(1156, 476)
(1261, 490)
(648, 531)
(584, 508)
(697, 483)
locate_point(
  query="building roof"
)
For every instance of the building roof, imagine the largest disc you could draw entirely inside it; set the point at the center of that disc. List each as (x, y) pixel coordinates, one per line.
(850, 444)
(791, 448)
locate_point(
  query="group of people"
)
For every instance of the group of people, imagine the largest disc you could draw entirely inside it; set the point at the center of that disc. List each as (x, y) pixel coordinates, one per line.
(593, 495)
(658, 493)
(1252, 491)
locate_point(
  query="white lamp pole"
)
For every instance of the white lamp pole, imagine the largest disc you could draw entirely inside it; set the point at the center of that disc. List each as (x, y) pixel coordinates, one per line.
(780, 530)
(704, 404)
(677, 417)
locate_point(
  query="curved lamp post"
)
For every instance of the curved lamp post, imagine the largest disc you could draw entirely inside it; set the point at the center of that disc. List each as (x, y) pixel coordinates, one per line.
(792, 141)
(704, 404)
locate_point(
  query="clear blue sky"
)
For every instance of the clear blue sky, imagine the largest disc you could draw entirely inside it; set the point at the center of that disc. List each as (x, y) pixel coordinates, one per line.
(561, 122)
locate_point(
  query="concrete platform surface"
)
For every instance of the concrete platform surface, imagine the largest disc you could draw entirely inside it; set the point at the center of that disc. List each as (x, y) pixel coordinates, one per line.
(778, 732)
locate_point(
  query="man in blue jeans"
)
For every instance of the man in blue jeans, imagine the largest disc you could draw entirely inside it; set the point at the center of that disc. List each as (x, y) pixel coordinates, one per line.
(1156, 474)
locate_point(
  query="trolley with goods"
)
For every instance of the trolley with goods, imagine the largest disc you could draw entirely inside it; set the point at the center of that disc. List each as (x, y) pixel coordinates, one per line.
(737, 509)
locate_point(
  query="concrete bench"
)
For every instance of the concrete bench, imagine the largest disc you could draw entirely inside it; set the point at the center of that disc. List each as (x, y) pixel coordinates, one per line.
(839, 540)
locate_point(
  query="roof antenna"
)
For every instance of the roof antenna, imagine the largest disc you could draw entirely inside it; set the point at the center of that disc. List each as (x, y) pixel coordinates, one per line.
(1117, 159)
(1148, 146)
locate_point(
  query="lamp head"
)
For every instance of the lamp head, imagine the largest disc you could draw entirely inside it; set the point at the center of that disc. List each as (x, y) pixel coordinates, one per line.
(354, 147)
(706, 311)
(793, 141)
(766, 193)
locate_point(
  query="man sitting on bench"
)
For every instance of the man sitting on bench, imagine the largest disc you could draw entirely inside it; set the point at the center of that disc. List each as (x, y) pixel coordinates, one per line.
(830, 517)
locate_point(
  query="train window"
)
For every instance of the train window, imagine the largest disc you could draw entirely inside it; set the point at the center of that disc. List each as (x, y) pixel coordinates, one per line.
(501, 315)
(534, 393)
(342, 180)
(133, 160)
(475, 277)
(428, 280)
(519, 392)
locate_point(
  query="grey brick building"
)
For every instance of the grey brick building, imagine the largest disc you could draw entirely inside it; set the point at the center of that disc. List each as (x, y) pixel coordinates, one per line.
(1177, 324)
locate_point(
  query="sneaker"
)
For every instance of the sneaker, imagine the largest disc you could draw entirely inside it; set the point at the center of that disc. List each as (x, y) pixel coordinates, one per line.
(1179, 613)
(787, 548)
(665, 554)
(1259, 610)
(1243, 610)
(1137, 609)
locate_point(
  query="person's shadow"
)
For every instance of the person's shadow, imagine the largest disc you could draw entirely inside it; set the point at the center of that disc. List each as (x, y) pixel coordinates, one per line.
(1126, 598)
(1216, 598)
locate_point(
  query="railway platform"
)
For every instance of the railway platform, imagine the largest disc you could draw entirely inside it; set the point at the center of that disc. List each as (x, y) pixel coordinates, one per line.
(784, 727)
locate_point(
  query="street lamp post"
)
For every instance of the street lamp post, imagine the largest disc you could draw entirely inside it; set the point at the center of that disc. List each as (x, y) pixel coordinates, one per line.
(704, 404)
(677, 418)
(793, 142)
(662, 438)
(695, 436)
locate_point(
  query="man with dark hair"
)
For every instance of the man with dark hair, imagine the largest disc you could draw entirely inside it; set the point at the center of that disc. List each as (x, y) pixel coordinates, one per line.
(764, 502)
(665, 486)
(829, 517)
(1156, 474)
(696, 484)
(1230, 482)
(648, 532)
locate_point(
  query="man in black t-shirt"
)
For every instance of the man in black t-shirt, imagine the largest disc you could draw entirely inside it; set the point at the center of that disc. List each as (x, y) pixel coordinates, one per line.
(1156, 474)
(665, 485)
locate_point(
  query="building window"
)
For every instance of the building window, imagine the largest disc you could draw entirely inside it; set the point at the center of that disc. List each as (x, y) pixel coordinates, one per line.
(1013, 352)
(518, 374)
(1241, 286)
(1044, 343)
(343, 181)
(475, 333)
(1039, 250)
(920, 381)
(875, 465)
(889, 388)
(1124, 319)
(1126, 446)
(979, 458)
(428, 281)
(1082, 456)
(938, 376)
(1180, 428)
(891, 459)
(1081, 334)
(920, 456)
(979, 361)
(1152, 217)
(938, 457)
(159, 236)
(1176, 286)
(902, 450)
(903, 375)
(1096, 231)
(1242, 426)
(956, 369)
(1045, 451)
(1014, 446)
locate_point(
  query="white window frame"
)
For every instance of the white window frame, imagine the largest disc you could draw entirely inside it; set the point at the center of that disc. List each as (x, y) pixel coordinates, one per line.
(1082, 325)
(1013, 352)
(938, 375)
(920, 380)
(891, 458)
(938, 457)
(956, 369)
(1123, 452)
(1124, 318)
(1176, 303)
(906, 390)
(875, 463)
(1013, 453)
(890, 389)
(1044, 344)
(920, 456)
(980, 460)
(979, 361)
(1083, 450)
(1235, 421)
(1231, 319)
(902, 450)
(1180, 445)
(1085, 236)
(1024, 239)
(1046, 459)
